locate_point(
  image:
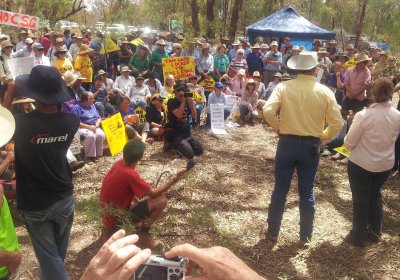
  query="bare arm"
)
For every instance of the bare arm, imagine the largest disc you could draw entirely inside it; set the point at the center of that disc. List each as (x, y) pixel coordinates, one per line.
(165, 187)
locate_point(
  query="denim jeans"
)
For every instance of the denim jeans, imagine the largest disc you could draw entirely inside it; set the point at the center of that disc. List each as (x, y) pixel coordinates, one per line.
(244, 111)
(302, 154)
(49, 231)
(367, 201)
(199, 109)
(138, 102)
(187, 147)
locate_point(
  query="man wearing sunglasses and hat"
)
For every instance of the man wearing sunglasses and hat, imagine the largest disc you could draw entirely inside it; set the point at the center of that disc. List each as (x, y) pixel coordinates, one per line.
(44, 179)
(181, 112)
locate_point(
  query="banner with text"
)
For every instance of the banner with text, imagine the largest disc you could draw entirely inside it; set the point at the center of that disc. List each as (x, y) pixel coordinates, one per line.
(20, 66)
(115, 133)
(181, 67)
(208, 84)
(217, 118)
(18, 20)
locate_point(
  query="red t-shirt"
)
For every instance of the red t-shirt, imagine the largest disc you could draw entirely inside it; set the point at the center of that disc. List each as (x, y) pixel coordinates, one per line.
(120, 186)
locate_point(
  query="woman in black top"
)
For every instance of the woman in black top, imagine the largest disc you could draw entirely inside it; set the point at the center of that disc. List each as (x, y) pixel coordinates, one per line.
(155, 114)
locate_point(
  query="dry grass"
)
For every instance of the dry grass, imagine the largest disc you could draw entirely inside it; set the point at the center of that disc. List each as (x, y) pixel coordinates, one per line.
(224, 200)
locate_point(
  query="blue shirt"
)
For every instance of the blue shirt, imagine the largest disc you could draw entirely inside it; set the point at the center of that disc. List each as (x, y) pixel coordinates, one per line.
(101, 96)
(254, 63)
(231, 54)
(87, 115)
(129, 112)
(247, 52)
(213, 99)
(277, 56)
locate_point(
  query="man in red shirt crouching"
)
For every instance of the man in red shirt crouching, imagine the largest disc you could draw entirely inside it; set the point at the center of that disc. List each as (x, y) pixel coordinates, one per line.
(123, 187)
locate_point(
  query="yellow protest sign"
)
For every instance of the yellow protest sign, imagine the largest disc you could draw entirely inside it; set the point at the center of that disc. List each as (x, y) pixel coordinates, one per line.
(141, 115)
(109, 46)
(343, 150)
(137, 42)
(351, 62)
(208, 84)
(115, 133)
(181, 67)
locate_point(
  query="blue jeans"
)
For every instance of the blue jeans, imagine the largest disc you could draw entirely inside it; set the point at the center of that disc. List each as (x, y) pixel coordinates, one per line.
(302, 154)
(367, 201)
(199, 108)
(244, 111)
(104, 107)
(49, 231)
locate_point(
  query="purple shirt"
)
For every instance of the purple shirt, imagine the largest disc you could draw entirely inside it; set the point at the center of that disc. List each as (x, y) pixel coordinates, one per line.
(331, 80)
(357, 79)
(129, 112)
(87, 115)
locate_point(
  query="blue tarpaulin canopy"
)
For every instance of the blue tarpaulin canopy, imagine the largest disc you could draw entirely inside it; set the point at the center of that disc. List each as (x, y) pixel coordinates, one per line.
(287, 22)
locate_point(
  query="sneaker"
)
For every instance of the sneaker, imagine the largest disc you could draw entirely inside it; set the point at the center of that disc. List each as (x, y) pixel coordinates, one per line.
(344, 161)
(325, 153)
(75, 165)
(337, 156)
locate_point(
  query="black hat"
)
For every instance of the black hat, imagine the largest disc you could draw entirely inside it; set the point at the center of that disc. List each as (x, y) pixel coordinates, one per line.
(179, 85)
(45, 84)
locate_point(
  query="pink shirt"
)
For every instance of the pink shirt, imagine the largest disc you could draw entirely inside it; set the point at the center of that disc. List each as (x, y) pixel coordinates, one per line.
(238, 86)
(372, 137)
(357, 79)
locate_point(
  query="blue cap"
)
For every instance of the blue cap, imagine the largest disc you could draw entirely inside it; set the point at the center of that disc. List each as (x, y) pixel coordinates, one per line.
(219, 85)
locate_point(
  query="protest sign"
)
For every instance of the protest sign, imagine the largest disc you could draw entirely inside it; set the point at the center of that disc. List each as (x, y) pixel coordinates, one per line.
(20, 66)
(217, 118)
(351, 62)
(137, 42)
(141, 115)
(75, 146)
(18, 20)
(208, 84)
(231, 102)
(319, 74)
(343, 150)
(109, 46)
(115, 133)
(181, 67)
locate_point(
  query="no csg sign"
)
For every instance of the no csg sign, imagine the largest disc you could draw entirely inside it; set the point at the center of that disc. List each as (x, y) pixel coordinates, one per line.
(18, 20)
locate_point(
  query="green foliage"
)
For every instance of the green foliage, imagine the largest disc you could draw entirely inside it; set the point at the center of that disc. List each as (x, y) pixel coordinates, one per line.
(200, 218)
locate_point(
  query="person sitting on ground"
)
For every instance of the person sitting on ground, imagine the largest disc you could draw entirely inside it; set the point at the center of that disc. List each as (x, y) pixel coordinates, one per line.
(221, 62)
(102, 98)
(217, 97)
(107, 81)
(248, 103)
(271, 86)
(61, 62)
(238, 63)
(176, 50)
(124, 82)
(139, 63)
(168, 90)
(154, 84)
(139, 93)
(205, 65)
(261, 89)
(84, 65)
(239, 82)
(155, 114)
(198, 96)
(122, 188)
(226, 83)
(89, 126)
(132, 126)
(371, 141)
(181, 112)
(10, 256)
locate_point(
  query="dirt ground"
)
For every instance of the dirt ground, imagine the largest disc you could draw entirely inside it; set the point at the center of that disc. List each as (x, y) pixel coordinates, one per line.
(224, 200)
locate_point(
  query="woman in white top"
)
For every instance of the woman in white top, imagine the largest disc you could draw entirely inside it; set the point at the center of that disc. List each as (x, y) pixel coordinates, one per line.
(371, 140)
(205, 65)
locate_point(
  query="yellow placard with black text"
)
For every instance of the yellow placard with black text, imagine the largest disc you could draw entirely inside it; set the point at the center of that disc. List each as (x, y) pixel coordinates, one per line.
(141, 114)
(114, 129)
(343, 150)
(181, 67)
(208, 84)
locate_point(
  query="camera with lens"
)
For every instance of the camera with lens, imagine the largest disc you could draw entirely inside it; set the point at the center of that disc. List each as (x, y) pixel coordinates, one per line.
(188, 93)
(160, 268)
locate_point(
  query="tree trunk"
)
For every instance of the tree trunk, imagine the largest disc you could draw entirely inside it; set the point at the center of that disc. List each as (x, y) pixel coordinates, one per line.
(235, 18)
(210, 19)
(360, 20)
(195, 17)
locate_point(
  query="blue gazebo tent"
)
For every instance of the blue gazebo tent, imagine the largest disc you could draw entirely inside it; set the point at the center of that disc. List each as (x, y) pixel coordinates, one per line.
(287, 22)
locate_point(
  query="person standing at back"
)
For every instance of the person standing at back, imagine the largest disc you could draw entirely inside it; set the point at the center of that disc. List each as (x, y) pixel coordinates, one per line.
(44, 178)
(298, 109)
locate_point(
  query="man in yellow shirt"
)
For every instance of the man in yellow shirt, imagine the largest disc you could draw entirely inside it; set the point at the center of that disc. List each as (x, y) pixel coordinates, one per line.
(298, 110)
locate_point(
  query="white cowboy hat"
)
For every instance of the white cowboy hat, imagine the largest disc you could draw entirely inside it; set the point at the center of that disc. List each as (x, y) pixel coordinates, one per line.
(69, 78)
(304, 61)
(7, 126)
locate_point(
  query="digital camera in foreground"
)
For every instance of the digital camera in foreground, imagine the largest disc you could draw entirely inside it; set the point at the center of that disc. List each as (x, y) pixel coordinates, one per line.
(160, 268)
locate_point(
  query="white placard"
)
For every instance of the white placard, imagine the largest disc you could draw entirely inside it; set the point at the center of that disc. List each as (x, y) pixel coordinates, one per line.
(319, 74)
(231, 101)
(20, 66)
(217, 118)
(75, 146)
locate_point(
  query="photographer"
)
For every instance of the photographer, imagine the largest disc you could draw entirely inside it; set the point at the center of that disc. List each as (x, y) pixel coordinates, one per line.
(181, 112)
(272, 63)
(119, 258)
(122, 188)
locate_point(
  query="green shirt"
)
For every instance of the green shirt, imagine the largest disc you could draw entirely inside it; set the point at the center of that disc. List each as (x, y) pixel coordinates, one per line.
(8, 237)
(141, 64)
(221, 63)
(157, 56)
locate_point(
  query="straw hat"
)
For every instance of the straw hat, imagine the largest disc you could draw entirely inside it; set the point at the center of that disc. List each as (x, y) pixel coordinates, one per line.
(251, 82)
(264, 46)
(7, 126)
(304, 61)
(6, 44)
(274, 43)
(362, 58)
(79, 75)
(256, 46)
(101, 72)
(160, 42)
(19, 100)
(69, 78)
(60, 50)
(286, 77)
(144, 47)
(125, 69)
(84, 49)
(236, 43)
(256, 74)
(322, 51)
(277, 75)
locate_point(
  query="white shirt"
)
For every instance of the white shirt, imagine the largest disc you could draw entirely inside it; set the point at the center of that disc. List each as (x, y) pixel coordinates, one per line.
(43, 60)
(20, 45)
(139, 93)
(73, 50)
(121, 83)
(372, 137)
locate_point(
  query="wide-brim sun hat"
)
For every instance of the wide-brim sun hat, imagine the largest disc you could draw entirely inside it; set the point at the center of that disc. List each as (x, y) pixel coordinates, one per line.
(145, 47)
(69, 78)
(60, 50)
(44, 84)
(7, 126)
(306, 60)
(160, 42)
(251, 82)
(84, 49)
(125, 69)
(101, 72)
(362, 58)
(19, 100)
(256, 74)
